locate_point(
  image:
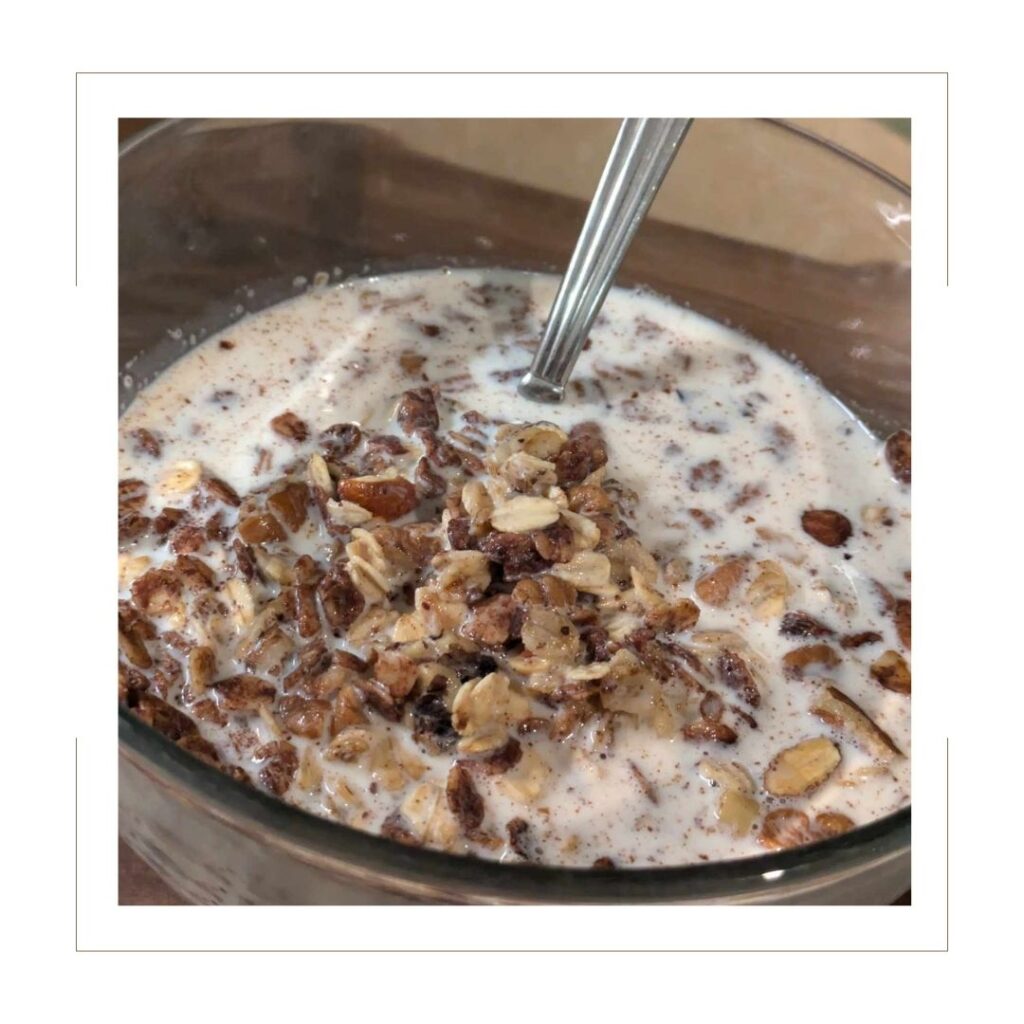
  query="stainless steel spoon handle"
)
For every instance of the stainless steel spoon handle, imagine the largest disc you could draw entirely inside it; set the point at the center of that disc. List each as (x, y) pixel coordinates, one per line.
(636, 167)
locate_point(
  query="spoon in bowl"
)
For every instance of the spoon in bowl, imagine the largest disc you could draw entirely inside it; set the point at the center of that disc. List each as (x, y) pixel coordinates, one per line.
(640, 158)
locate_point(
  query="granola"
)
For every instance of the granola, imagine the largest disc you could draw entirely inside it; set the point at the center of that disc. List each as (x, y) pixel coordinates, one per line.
(413, 607)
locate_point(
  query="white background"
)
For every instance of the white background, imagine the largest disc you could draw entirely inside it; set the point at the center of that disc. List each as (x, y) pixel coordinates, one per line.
(59, 450)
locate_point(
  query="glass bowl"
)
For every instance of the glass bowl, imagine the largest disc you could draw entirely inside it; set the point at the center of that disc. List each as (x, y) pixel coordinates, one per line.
(760, 225)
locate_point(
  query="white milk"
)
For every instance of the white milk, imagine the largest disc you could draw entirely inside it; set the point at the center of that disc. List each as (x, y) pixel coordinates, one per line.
(672, 390)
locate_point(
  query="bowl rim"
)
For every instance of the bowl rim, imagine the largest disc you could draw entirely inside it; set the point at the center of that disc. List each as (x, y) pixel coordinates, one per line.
(342, 849)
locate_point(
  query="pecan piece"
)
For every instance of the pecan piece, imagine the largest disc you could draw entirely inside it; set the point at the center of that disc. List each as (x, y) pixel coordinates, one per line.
(259, 528)
(220, 491)
(514, 552)
(463, 799)
(520, 838)
(430, 483)
(555, 543)
(417, 410)
(707, 729)
(290, 503)
(716, 587)
(243, 693)
(795, 662)
(851, 641)
(802, 624)
(736, 674)
(146, 442)
(339, 440)
(388, 498)
(289, 426)
(302, 610)
(901, 616)
(897, 454)
(304, 716)
(340, 599)
(584, 452)
(785, 828)
(835, 708)
(892, 672)
(490, 622)
(826, 526)
(281, 762)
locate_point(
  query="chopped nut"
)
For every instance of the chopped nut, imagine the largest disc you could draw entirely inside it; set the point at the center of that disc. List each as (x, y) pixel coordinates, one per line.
(244, 693)
(707, 729)
(490, 622)
(785, 828)
(417, 410)
(831, 823)
(716, 587)
(892, 672)
(281, 762)
(802, 624)
(387, 497)
(897, 454)
(202, 664)
(901, 616)
(259, 528)
(835, 708)
(799, 769)
(348, 745)
(290, 427)
(796, 662)
(290, 504)
(852, 641)
(464, 801)
(736, 674)
(827, 526)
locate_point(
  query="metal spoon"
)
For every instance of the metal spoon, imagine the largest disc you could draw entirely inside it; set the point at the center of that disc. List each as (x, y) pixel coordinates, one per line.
(637, 165)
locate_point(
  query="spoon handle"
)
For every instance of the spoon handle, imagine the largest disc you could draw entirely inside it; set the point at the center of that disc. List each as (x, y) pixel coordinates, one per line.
(636, 167)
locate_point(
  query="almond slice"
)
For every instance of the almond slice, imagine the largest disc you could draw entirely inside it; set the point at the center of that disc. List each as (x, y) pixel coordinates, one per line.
(797, 770)
(834, 708)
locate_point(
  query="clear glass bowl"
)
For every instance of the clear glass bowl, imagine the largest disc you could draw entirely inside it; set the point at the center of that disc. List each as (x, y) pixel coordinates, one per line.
(759, 225)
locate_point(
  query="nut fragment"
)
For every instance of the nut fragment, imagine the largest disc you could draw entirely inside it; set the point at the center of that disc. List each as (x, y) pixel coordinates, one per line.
(795, 663)
(289, 426)
(801, 768)
(716, 587)
(785, 828)
(835, 708)
(897, 454)
(387, 497)
(892, 672)
(464, 801)
(736, 674)
(827, 526)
